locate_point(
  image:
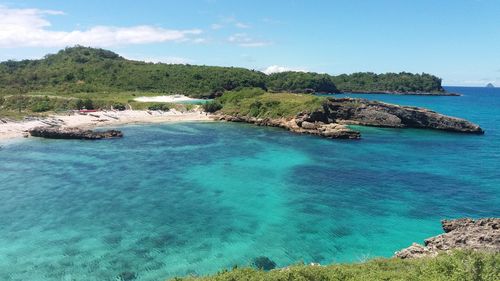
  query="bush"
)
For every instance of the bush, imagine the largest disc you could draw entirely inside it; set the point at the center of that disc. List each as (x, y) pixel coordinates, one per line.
(159, 106)
(85, 104)
(41, 106)
(119, 106)
(212, 106)
(2, 100)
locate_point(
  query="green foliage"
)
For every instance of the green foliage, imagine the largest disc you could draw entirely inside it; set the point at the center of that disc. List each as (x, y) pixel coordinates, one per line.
(85, 104)
(81, 69)
(119, 106)
(212, 106)
(89, 70)
(42, 106)
(457, 266)
(159, 106)
(301, 82)
(388, 82)
(260, 104)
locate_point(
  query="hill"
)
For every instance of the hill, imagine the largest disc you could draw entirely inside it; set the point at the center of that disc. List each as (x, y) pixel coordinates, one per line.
(83, 69)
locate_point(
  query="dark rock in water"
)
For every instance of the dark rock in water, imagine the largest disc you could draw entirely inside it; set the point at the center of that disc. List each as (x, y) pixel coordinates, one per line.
(263, 263)
(127, 276)
(73, 133)
(481, 234)
(490, 85)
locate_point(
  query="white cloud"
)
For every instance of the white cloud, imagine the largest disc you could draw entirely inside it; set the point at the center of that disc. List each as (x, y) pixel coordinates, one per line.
(29, 28)
(277, 69)
(243, 40)
(241, 25)
(216, 26)
(161, 59)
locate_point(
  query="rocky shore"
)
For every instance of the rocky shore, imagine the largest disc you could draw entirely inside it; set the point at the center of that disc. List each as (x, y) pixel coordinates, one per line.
(331, 121)
(298, 124)
(465, 233)
(73, 133)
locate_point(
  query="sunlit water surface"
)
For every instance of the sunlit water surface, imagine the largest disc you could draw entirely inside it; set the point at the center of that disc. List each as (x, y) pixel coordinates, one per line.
(194, 198)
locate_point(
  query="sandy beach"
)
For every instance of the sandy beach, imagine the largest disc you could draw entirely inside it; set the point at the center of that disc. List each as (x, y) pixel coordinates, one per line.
(16, 129)
(171, 98)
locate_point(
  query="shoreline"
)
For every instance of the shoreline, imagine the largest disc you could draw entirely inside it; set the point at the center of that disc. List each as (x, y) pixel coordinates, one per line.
(18, 129)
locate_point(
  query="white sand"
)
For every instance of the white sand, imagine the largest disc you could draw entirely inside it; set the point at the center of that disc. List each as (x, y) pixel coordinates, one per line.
(172, 98)
(13, 129)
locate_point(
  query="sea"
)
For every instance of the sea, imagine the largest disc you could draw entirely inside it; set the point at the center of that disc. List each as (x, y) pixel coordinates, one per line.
(196, 198)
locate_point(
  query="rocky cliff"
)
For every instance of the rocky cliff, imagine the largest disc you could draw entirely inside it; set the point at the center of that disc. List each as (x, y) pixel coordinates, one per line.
(481, 234)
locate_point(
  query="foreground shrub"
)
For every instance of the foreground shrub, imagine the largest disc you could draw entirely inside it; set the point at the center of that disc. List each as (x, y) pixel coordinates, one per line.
(457, 266)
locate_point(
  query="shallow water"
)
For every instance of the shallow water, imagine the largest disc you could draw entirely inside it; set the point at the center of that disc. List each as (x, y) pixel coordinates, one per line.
(194, 198)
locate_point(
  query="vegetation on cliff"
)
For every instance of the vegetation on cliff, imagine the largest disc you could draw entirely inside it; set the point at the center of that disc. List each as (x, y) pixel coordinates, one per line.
(261, 104)
(89, 70)
(458, 265)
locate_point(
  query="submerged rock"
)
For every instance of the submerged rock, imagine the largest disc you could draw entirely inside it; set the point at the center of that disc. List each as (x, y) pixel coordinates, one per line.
(468, 234)
(73, 133)
(127, 276)
(263, 263)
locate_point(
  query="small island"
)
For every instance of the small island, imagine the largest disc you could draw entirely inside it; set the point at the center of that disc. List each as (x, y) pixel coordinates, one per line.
(490, 85)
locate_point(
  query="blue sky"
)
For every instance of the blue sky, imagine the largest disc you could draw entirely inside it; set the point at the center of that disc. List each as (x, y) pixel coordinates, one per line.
(458, 40)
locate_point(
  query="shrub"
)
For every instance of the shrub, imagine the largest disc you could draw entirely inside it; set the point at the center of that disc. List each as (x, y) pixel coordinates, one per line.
(2, 100)
(41, 106)
(212, 106)
(159, 106)
(119, 106)
(85, 104)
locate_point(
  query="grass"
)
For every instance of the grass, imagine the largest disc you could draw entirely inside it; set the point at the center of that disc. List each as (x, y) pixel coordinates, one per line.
(456, 266)
(43, 103)
(258, 103)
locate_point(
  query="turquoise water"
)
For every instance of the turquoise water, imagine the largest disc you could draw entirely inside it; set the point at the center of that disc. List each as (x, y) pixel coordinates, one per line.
(194, 198)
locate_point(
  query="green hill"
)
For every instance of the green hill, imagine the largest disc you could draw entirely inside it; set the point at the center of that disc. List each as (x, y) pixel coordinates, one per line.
(82, 69)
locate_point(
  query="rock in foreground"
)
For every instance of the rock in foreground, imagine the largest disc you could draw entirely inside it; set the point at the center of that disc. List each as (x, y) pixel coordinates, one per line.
(469, 234)
(73, 133)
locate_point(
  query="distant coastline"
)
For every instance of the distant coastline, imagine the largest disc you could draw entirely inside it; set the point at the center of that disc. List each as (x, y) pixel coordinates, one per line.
(399, 93)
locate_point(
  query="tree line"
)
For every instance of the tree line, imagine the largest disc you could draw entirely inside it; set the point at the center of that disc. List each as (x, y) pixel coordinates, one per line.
(82, 69)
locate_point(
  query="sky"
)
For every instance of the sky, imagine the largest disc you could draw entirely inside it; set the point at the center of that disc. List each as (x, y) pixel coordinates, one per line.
(457, 40)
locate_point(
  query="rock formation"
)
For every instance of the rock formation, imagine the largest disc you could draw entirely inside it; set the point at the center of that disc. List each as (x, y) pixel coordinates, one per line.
(298, 125)
(469, 234)
(380, 114)
(73, 133)
(331, 120)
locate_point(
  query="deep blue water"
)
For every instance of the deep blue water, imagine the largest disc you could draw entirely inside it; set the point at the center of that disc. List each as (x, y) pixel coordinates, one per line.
(194, 198)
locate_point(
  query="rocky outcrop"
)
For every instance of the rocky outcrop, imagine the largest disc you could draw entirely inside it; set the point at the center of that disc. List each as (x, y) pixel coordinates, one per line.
(73, 133)
(374, 113)
(481, 234)
(331, 120)
(300, 124)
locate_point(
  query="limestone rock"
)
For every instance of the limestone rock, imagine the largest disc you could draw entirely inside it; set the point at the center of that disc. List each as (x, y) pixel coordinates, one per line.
(465, 233)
